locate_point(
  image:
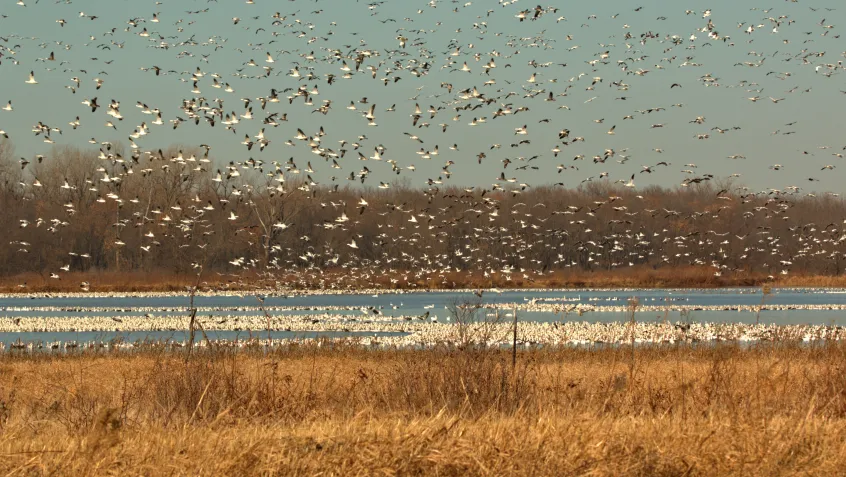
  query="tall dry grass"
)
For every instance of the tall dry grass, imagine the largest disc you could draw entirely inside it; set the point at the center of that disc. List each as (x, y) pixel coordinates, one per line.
(766, 410)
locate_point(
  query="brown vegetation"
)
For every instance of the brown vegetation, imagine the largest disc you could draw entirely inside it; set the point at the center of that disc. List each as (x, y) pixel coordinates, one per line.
(714, 410)
(636, 277)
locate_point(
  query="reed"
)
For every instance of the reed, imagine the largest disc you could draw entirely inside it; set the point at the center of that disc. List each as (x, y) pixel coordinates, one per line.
(303, 410)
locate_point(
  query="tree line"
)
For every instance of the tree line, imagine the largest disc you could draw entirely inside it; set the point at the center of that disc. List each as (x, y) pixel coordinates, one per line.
(177, 209)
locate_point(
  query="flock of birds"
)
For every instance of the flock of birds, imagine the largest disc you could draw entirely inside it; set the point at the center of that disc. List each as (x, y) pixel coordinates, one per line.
(416, 335)
(368, 319)
(138, 321)
(294, 88)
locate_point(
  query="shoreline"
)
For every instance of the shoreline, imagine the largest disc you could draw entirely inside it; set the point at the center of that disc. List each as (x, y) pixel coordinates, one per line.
(295, 293)
(339, 281)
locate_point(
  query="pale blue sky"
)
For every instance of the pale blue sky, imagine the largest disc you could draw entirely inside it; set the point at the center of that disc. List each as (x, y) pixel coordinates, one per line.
(31, 32)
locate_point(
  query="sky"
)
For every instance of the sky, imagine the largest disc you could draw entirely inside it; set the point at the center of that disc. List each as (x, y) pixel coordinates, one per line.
(794, 58)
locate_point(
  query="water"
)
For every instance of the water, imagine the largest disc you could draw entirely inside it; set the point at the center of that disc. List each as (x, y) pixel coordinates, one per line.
(417, 303)
(416, 300)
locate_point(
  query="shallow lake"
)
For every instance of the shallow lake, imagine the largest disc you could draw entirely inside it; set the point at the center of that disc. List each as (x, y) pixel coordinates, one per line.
(810, 308)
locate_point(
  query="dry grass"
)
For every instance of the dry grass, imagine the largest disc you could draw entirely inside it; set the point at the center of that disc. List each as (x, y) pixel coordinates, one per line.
(108, 281)
(636, 277)
(769, 410)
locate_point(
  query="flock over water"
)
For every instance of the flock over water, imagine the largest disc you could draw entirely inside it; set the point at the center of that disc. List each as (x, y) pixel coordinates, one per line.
(414, 145)
(422, 319)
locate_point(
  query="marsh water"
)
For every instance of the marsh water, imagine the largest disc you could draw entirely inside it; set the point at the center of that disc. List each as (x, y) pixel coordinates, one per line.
(807, 306)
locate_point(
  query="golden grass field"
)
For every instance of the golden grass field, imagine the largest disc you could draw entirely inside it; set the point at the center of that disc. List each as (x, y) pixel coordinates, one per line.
(637, 277)
(775, 409)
